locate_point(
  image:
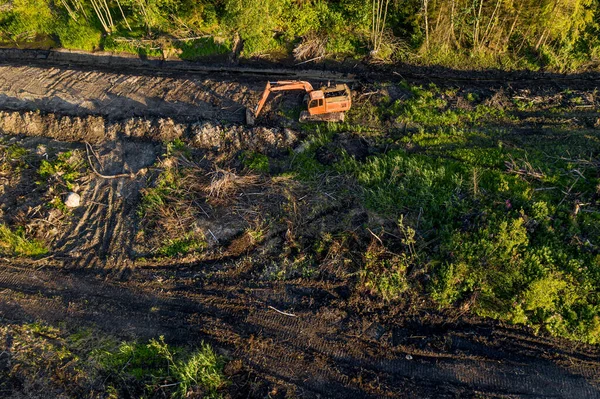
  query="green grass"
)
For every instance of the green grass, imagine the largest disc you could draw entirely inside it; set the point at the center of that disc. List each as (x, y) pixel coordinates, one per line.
(13, 159)
(156, 363)
(59, 175)
(167, 184)
(196, 49)
(429, 107)
(15, 243)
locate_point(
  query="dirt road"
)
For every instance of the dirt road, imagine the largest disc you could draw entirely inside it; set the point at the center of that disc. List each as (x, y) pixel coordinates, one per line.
(302, 337)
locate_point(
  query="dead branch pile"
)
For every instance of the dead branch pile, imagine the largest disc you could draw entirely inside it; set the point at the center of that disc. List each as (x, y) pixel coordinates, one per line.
(312, 46)
(224, 182)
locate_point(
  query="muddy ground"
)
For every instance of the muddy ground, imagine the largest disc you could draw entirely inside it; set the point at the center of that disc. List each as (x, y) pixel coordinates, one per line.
(295, 338)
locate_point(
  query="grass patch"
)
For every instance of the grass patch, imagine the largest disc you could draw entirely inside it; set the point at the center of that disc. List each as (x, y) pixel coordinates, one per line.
(60, 175)
(15, 243)
(181, 246)
(191, 50)
(13, 159)
(156, 364)
(255, 161)
(430, 107)
(83, 363)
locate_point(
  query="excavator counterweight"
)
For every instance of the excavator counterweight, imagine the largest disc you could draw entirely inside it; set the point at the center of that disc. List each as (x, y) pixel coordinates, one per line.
(329, 103)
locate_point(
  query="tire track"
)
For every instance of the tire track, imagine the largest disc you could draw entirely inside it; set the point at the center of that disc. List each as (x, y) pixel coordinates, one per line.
(103, 234)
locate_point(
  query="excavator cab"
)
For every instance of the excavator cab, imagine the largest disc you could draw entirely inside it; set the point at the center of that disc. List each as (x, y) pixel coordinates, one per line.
(329, 103)
(316, 103)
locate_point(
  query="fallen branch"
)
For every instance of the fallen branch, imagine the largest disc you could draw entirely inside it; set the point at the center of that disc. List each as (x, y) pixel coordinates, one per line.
(283, 313)
(527, 170)
(312, 59)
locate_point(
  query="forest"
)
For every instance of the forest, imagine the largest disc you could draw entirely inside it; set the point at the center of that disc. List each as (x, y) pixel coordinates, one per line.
(556, 35)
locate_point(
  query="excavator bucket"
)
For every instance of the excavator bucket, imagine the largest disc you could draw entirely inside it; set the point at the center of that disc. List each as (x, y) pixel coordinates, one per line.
(249, 117)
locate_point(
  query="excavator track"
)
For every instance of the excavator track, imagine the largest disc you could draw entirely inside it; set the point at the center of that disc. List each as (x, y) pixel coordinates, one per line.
(331, 117)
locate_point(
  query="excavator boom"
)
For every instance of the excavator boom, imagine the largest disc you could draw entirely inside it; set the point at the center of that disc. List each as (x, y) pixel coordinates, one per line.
(281, 86)
(321, 103)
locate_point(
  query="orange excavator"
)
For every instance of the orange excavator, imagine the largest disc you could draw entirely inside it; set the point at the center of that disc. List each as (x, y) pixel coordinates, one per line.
(327, 104)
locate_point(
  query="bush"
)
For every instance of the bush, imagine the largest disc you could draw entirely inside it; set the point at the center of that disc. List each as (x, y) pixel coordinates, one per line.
(256, 22)
(78, 35)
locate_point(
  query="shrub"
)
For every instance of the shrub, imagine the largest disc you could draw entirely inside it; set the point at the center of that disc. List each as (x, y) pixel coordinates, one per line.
(27, 18)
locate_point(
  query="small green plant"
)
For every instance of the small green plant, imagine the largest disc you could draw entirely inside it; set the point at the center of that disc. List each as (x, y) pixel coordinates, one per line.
(256, 233)
(63, 171)
(177, 147)
(203, 368)
(13, 159)
(181, 246)
(167, 183)
(471, 97)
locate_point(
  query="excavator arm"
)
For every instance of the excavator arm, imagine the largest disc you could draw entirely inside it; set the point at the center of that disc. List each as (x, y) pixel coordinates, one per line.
(277, 86)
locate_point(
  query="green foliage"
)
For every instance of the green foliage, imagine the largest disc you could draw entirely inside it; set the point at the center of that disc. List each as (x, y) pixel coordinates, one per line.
(301, 19)
(86, 361)
(195, 49)
(491, 229)
(177, 147)
(384, 273)
(13, 159)
(15, 243)
(490, 260)
(255, 21)
(26, 19)
(466, 34)
(153, 198)
(203, 368)
(140, 48)
(398, 182)
(427, 107)
(140, 361)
